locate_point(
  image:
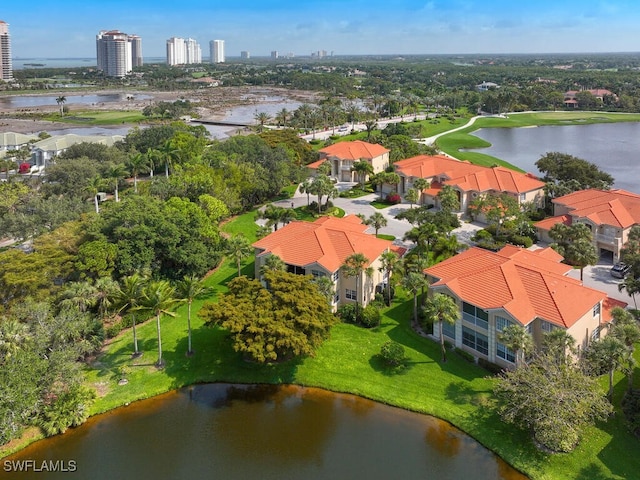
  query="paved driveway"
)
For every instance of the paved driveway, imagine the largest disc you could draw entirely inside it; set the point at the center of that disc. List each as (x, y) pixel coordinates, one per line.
(598, 277)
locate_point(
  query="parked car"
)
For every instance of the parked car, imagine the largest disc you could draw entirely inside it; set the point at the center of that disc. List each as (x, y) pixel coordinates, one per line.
(620, 270)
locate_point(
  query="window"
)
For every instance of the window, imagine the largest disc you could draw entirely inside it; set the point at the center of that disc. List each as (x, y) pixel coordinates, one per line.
(546, 326)
(475, 340)
(596, 309)
(335, 275)
(350, 294)
(296, 269)
(502, 323)
(523, 197)
(475, 315)
(336, 298)
(449, 330)
(506, 353)
(317, 273)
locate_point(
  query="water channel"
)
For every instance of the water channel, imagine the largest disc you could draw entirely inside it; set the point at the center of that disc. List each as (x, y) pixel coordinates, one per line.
(266, 432)
(614, 147)
(30, 101)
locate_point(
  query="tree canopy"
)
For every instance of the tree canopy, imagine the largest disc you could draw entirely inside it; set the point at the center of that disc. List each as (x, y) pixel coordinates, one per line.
(288, 320)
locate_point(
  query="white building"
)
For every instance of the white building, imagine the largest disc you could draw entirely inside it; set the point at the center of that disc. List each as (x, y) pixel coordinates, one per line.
(216, 51)
(117, 52)
(183, 52)
(245, 55)
(6, 69)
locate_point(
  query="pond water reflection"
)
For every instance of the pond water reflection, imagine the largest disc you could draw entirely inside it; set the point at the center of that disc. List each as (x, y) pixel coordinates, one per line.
(29, 101)
(613, 147)
(267, 432)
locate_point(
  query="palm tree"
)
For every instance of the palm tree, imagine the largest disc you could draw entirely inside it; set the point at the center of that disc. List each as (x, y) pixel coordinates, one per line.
(80, 295)
(354, 266)
(282, 116)
(238, 248)
(158, 298)
(443, 309)
(93, 188)
(189, 289)
(421, 184)
(326, 287)
(377, 220)
(138, 163)
(105, 292)
(61, 101)
(413, 282)
(362, 169)
(304, 188)
(559, 344)
(127, 298)
(517, 339)
(631, 285)
(116, 172)
(261, 118)
(273, 263)
(370, 126)
(412, 196)
(13, 336)
(168, 155)
(388, 263)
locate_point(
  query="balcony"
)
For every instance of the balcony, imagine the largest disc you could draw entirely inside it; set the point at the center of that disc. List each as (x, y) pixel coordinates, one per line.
(608, 239)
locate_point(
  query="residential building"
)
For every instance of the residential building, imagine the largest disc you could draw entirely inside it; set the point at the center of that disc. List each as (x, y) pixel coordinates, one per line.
(467, 179)
(320, 248)
(118, 52)
(216, 51)
(15, 141)
(342, 155)
(183, 52)
(515, 286)
(6, 68)
(571, 101)
(274, 54)
(486, 86)
(44, 151)
(245, 55)
(609, 214)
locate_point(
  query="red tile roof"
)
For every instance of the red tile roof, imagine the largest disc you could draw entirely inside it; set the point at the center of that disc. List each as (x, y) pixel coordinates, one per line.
(316, 164)
(328, 241)
(527, 284)
(354, 150)
(618, 208)
(466, 176)
(548, 223)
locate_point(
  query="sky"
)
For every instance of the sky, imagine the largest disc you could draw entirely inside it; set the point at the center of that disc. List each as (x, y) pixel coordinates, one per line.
(67, 28)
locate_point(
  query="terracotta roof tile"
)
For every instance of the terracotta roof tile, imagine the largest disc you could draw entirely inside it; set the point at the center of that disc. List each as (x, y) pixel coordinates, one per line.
(328, 242)
(528, 284)
(354, 150)
(466, 176)
(618, 208)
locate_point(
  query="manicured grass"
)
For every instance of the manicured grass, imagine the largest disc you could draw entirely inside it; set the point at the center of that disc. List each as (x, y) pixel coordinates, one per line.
(379, 205)
(457, 391)
(93, 118)
(384, 236)
(455, 143)
(303, 213)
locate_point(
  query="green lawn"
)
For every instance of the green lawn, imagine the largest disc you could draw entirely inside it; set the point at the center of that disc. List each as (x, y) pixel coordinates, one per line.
(457, 391)
(456, 143)
(93, 117)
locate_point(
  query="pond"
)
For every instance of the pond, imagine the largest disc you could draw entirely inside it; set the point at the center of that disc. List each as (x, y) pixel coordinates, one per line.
(266, 432)
(613, 147)
(30, 101)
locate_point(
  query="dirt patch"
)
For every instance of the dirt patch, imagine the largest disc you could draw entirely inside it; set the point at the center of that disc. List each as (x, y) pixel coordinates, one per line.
(212, 103)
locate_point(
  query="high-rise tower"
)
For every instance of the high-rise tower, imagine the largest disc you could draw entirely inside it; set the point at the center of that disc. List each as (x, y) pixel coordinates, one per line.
(6, 69)
(216, 51)
(117, 52)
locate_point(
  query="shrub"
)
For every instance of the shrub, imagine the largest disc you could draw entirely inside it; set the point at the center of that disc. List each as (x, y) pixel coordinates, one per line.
(491, 367)
(466, 355)
(24, 168)
(631, 409)
(347, 313)
(370, 316)
(482, 235)
(393, 198)
(392, 353)
(523, 241)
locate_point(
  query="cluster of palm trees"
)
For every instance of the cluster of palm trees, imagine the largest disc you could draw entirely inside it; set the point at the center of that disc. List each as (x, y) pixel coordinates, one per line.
(137, 295)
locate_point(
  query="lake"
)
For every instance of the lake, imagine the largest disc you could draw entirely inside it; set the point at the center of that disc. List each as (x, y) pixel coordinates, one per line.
(267, 432)
(30, 101)
(614, 147)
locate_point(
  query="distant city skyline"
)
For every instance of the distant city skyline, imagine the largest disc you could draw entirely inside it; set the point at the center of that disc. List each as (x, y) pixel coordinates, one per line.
(67, 28)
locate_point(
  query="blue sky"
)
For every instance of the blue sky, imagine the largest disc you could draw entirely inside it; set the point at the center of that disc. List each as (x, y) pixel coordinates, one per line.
(67, 28)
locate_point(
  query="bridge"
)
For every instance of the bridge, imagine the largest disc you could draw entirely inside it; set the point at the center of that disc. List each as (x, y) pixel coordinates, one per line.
(221, 123)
